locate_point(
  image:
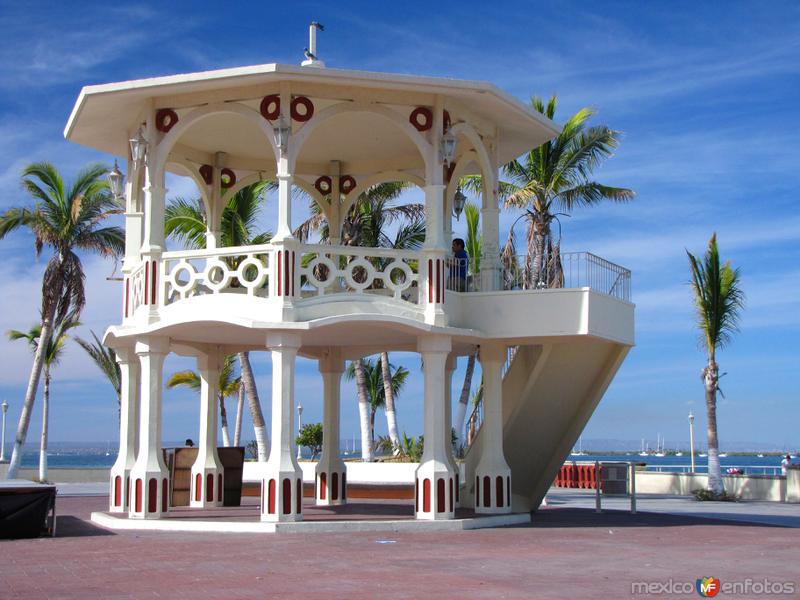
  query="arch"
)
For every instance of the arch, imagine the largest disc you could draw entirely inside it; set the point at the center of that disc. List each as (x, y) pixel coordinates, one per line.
(194, 174)
(377, 178)
(170, 139)
(485, 164)
(301, 137)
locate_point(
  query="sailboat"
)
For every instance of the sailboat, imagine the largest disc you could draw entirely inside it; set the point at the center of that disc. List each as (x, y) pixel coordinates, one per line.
(659, 448)
(643, 452)
(580, 451)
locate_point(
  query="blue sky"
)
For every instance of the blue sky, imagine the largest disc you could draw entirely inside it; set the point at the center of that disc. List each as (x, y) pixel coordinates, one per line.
(705, 95)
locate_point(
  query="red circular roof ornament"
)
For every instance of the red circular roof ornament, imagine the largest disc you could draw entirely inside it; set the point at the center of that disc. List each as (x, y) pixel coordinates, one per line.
(347, 184)
(271, 107)
(307, 109)
(324, 185)
(166, 119)
(227, 178)
(207, 173)
(421, 118)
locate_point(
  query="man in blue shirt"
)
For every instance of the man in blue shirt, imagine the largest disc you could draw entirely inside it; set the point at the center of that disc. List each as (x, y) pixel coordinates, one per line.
(458, 266)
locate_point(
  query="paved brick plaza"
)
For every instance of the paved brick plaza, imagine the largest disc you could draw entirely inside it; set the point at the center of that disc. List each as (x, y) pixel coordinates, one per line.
(565, 553)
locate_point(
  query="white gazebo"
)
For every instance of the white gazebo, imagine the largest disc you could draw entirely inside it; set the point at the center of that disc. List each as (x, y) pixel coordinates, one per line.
(333, 134)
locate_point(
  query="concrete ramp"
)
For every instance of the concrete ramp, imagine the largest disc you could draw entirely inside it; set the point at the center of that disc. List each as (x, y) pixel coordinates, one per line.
(549, 393)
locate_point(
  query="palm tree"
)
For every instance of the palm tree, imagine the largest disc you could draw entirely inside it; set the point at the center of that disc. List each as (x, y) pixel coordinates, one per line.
(553, 180)
(367, 223)
(474, 247)
(66, 219)
(375, 390)
(52, 356)
(228, 385)
(186, 221)
(718, 300)
(106, 360)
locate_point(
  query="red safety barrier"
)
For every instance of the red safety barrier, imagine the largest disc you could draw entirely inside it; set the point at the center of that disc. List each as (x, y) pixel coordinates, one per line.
(573, 483)
(592, 477)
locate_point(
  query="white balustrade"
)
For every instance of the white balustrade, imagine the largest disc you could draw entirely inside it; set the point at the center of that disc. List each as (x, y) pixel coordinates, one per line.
(351, 269)
(234, 270)
(135, 290)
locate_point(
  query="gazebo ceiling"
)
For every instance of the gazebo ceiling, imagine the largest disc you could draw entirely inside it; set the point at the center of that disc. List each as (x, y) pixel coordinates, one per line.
(105, 116)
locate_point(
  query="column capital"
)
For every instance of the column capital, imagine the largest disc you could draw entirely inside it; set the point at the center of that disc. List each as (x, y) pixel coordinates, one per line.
(452, 362)
(125, 354)
(492, 352)
(434, 343)
(331, 361)
(152, 345)
(279, 340)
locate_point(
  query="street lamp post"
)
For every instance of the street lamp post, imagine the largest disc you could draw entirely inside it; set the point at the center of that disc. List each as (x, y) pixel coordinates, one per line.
(4, 406)
(299, 429)
(691, 438)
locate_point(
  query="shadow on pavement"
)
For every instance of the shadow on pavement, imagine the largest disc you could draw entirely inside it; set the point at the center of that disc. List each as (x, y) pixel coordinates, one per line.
(552, 517)
(69, 526)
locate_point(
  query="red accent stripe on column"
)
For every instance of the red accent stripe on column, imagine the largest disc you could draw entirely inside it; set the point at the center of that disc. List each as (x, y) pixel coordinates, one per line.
(210, 487)
(498, 484)
(198, 487)
(146, 284)
(293, 265)
(128, 494)
(438, 282)
(154, 286)
(263, 493)
(117, 490)
(426, 495)
(430, 281)
(220, 489)
(508, 490)
(440, 495)
(452, 506)
(458, 485)
(299, 500)
(344, 486)
(487, 491)
(477, 491)
(152, 495)
(323, 486)
(416, 495)
(164, 495)
(272, 493)
(280, 271)
(127, 295)
(286, 286)
(335, 486)
(138, 495)
(287, 496)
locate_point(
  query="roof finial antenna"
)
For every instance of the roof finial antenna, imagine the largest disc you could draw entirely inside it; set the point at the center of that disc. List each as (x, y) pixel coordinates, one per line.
(311, 51)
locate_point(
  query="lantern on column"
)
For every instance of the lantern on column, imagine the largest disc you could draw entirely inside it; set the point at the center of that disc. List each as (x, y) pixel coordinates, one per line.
(115, 178)
(281, 134)
(138, 147)
(448, 147)
(459, 199)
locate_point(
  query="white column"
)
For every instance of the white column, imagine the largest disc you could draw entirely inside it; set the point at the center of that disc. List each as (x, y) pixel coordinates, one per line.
(491, 269)
(149, 476)
(449, 369)
(119, 492)
(492, 475)
(331, 477)
(282, 480)
(153, 243)
(435, 477)
(207, 471)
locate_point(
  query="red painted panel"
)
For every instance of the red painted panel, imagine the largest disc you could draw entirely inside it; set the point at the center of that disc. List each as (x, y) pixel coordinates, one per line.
(293, 265)
(458, 491)
(138, 495)
(117, 490)
(323, 486)
(286, 273)
(451, 494)
(220, 489)
(299, 499)
(344, 486)
(440, 495)
(426, 495)
(487, 491)
(272, 494)
(508, 490)
(498, 484)
(128, 493)
(335, 486)
(198, 485)
(416, 495)
(152, 495)
(477, 491)
(280, 271)
(430, 281)
(438, 282)
(154, 289)
(210, 487)
(127, 295)
(165, 495)
(287, 496)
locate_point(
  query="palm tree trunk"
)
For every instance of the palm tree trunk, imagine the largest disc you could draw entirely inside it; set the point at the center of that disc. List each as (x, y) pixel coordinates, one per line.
(391, 415)
(710, 376)
(363, 411)
(237, 428)
(463, 400)
(223, 419)
(538, 241)
(249, 381)
(45, 427)
(372, 413)
(30, 396)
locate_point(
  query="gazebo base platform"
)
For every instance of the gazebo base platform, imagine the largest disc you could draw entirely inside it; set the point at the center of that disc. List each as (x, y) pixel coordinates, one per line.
(373, 515)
